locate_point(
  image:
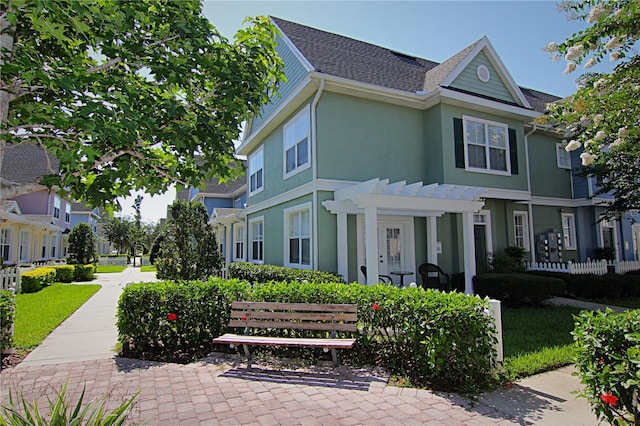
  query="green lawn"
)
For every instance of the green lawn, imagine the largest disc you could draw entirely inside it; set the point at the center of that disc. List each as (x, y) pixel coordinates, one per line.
(631, 302)
(37, 314)
(536, 339)
(109, 269)
(148, 268)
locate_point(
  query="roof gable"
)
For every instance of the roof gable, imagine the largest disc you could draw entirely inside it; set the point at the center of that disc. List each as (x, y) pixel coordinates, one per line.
(362, 62)
(499, 85)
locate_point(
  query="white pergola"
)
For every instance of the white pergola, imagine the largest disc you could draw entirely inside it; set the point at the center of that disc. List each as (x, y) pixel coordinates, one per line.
(377, 197)
(223, 219)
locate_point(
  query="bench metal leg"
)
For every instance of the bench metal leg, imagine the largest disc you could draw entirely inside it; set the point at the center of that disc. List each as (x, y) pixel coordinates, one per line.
(334, 356)
(248, 354)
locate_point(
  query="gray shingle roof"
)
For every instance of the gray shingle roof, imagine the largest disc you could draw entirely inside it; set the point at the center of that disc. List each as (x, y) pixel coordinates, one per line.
(352, 59)
(26, 163)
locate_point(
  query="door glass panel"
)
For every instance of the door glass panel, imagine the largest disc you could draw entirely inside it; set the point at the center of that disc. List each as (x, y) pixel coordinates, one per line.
(393, 258)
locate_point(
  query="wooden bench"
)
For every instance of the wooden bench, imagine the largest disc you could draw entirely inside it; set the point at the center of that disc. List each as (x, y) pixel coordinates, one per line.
(292, 316)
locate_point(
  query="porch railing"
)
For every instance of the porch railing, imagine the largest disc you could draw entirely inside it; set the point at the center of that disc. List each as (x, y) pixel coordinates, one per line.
(597, 267)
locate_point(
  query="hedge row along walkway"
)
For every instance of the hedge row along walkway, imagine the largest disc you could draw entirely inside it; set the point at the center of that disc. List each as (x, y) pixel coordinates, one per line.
(214, 391)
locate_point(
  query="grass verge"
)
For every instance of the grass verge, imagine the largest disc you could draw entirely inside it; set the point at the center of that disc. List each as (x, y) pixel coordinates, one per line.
(106, 269)
(631, 302)
(37, 314)
(148, 268)
(536, 339)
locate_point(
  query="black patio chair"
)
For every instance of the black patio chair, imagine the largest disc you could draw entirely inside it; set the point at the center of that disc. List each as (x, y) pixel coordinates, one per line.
(434, 277)
(385, 279)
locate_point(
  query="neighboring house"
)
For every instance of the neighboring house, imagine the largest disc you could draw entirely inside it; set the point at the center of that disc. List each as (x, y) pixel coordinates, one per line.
(373, 157)
(82, 213)
(225, 206)
(34, 225)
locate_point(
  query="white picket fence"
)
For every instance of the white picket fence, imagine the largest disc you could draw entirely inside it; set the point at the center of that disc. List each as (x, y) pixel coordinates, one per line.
(597, 267)
(113, 261)
(10, 278)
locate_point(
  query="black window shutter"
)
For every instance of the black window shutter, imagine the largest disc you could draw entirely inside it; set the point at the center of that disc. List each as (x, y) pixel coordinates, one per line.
(513, 151)
(458, 138)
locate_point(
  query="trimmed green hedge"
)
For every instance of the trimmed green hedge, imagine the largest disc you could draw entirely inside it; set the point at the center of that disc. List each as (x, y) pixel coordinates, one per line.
(608, 362)
(255, 273)
(83, 272)
(34, 280)
(441, 340)
(7, 315)
(518, 289)
(64, 273)
(591, 286)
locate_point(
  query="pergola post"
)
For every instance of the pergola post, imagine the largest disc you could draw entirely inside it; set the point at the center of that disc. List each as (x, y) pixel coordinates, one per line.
(432, 240)
(469, 251)
(342, 249)
(371, 243)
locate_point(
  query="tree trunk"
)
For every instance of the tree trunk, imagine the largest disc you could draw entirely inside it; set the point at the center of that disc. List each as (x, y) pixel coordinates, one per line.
(6, 45)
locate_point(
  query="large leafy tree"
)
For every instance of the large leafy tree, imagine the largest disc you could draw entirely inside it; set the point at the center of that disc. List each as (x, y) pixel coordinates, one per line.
(601, 118)
(188, 248)
(128, 94)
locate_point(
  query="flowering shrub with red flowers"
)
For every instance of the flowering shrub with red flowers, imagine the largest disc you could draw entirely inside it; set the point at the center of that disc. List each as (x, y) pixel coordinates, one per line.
(608, 361)
(440, 340)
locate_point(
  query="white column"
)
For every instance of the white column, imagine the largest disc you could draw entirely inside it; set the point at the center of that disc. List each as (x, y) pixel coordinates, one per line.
(496, 313)
(469, 251)
(371, 243)
(227, 243)
(432, 240)
(343, 252)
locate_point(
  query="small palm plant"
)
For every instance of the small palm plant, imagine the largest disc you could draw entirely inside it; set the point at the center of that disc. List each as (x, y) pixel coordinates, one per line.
(23, 413)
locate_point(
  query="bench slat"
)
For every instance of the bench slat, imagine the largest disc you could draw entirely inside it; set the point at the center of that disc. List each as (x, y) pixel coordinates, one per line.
(303, 316)
(293, 325)
(237, 339)
(312, 307)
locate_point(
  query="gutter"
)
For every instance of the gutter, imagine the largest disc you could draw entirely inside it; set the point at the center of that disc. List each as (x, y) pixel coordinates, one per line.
(314, 168)
(532, 250)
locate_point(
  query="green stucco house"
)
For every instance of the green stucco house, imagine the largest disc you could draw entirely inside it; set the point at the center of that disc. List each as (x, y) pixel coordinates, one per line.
(374, 157)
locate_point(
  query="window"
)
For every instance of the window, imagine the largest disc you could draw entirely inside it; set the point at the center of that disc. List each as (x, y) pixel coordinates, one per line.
(44, 247)
(563, 158)
(296, 143)
(237, 203)
(256, 167)
(521, 229)
(54, 245)
(569, 231)
(487, 145)
(238, 242)
(257, 239)
(56, 207)
(5, 244)
(298, 236)
(67, 212)
(25, 239)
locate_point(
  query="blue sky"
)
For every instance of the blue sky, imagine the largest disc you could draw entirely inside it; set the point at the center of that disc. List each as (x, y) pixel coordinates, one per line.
(434, 30)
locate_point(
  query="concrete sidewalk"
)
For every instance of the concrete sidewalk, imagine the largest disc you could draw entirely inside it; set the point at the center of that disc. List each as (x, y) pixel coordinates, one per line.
(90, 333)
(216, 390)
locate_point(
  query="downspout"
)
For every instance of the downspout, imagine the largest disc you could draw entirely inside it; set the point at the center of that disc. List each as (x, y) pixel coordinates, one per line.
(314, 168)
(532, 249)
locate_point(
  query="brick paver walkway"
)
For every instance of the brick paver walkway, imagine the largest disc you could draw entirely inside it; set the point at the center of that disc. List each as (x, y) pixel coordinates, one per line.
(217, 393)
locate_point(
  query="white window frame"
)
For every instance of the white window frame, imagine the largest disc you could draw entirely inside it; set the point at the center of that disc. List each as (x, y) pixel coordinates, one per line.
(238, 241)
(253, 239)
(56, 207)
(53, 245)
(5, 241)
(67, 212)
(304, 234)
(24, 246)
(569, 231)
(486, 123)
(237, 203)
(256, 168)
(563, 158)
(293, 135)
(525, 229)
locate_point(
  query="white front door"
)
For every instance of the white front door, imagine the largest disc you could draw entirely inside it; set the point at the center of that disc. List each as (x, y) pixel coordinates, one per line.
(390, 242)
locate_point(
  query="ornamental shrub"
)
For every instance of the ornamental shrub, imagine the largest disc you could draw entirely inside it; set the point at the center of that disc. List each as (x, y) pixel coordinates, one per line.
(82, 245)
(591, 286)
(256, 273)
(441, 340)
(7, 313)
(518, 289)
(64, 273)
(34, 280)
(83, 272)
(608, 362)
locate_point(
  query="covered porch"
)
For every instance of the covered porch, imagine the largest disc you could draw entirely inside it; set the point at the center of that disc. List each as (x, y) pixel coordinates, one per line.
(377, 201)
